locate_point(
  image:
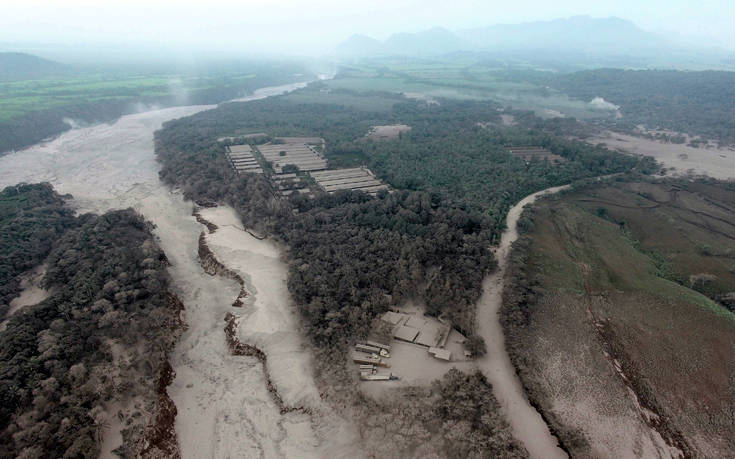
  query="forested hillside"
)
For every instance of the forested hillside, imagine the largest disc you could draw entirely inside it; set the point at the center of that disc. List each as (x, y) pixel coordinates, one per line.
(99, 340)
(352, 255)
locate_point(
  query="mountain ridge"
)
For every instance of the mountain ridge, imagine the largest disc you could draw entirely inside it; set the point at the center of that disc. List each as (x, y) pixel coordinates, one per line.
(22, 65)
(580, 34)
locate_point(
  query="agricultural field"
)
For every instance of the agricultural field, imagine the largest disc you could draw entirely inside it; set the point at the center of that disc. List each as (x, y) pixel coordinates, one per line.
(33, 109)
(22, 97)
(618, 319)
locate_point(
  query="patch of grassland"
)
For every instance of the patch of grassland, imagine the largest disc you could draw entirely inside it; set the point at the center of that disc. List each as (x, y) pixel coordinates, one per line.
(603, 278)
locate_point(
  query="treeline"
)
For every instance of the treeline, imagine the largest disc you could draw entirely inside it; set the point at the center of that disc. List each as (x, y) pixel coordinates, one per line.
(353, 256)
(32, 219)
(101, 337)
(33, 127)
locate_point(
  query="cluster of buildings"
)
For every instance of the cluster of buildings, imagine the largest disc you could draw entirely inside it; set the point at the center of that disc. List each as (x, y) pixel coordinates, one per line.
(242, 159)
(431, 334)
(358, 178)
(292, 152)
(369, 357)
(299, 166)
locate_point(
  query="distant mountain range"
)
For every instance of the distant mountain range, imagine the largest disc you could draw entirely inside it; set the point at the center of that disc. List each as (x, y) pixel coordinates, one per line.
(20, 65)
(579, 35)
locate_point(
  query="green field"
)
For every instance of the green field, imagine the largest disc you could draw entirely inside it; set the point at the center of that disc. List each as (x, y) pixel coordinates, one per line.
(18, 98)
(33, 109)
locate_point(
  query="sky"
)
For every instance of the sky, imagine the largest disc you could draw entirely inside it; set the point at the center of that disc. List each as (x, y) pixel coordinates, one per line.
(314, 27)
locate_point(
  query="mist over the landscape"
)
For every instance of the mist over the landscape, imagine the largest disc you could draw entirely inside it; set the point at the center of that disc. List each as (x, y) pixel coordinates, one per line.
(292, 27)
(336, 229)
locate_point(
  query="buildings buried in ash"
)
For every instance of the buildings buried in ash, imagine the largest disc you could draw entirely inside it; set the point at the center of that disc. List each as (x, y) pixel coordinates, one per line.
(242, 159)
(298, 166)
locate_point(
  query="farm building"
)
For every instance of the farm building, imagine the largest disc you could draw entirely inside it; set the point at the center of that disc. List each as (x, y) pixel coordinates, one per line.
(378, 377)
(358, 178)
(393, 317)
(363, 359)
(367, 349)
(297, 140)
(441, 354)
(426, 338)
(389, 132)
(529, 154)
(242, 159)
(287, 184)
(300, 155)
(378, 345)
(405, 333)
(415, 322)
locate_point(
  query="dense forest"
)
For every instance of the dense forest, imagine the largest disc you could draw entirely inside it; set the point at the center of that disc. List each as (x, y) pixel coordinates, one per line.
(33, 219)
(352, 256)
(695, 103)
(101, 337)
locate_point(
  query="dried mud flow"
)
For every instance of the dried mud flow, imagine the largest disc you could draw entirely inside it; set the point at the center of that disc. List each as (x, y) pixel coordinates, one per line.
(718, 163)
(239, 348)
(647, 410)
(528, 426)
(219, 404)
(213, 267)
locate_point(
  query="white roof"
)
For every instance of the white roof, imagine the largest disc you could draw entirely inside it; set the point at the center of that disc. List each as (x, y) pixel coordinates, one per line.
(405, 333)
(392, 317)
(443, 354)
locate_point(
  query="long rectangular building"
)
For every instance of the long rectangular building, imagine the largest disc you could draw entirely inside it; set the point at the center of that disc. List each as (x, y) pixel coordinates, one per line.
(358, 178)
(242, 159)
(298, 154)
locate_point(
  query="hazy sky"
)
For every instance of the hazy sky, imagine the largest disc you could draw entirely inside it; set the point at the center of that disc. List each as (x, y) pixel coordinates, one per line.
(313, 27)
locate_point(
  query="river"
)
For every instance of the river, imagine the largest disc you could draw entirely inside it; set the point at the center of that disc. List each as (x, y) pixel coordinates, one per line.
(224, 407)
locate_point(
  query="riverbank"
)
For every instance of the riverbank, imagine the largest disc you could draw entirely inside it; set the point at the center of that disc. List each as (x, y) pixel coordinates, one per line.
(224, 407)
(528, 426)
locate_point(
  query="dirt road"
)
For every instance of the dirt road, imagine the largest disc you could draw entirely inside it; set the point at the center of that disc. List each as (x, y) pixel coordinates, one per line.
(528, 426)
